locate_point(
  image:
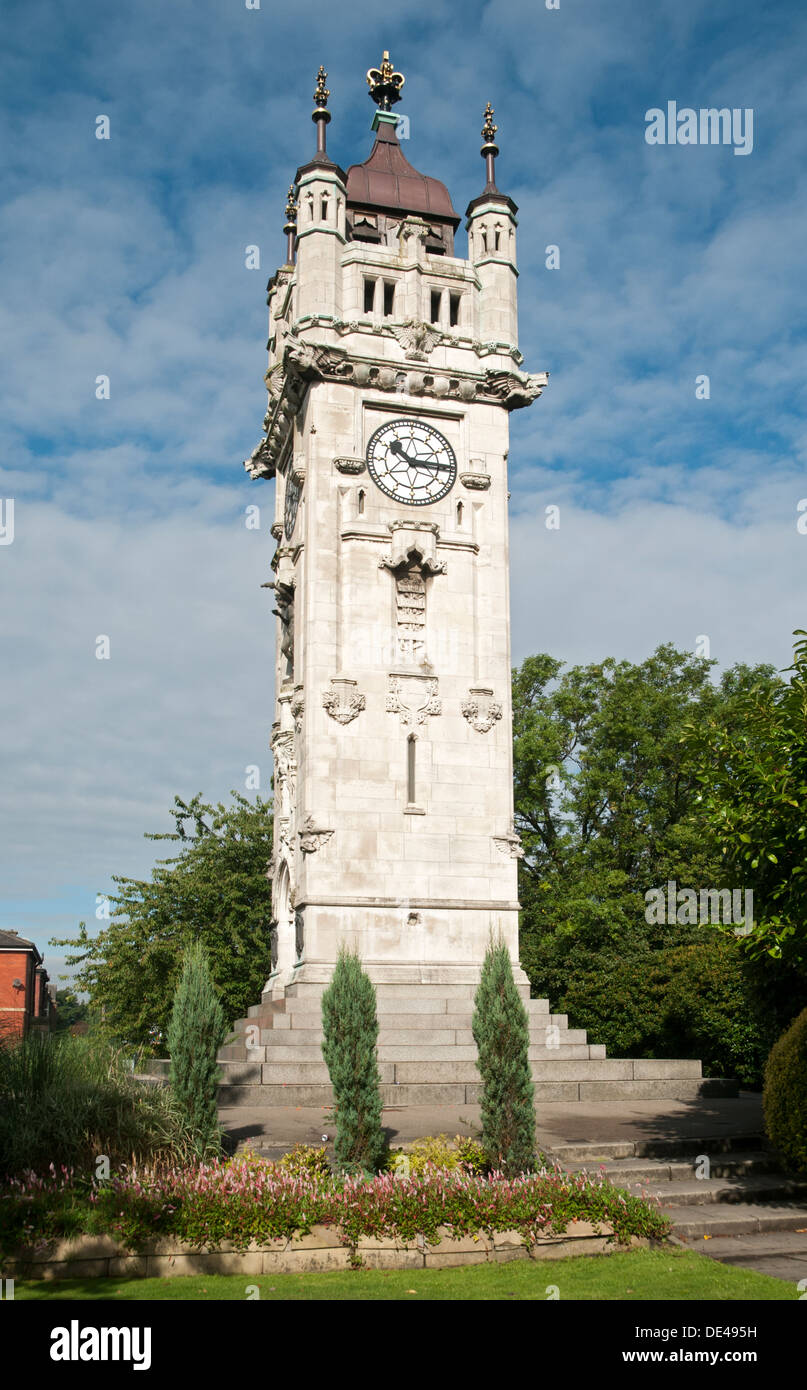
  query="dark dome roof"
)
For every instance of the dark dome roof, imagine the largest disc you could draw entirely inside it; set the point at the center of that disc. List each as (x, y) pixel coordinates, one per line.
(387, 180)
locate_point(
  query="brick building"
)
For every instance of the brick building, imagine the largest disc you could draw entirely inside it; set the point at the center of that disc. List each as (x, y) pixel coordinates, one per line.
(26, 997)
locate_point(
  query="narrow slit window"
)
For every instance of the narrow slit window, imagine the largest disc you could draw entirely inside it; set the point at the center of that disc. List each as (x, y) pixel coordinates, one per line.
(454, 310)
(437, 297)
(361, 501)
(410, 770)
(389, 298)
(369, 296)
(459, 513)
(498, 239)
(323, 209)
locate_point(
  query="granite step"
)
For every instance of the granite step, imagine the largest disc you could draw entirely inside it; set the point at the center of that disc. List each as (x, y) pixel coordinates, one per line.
(253, 1036)
(648, 1172)
(586, 1153)
(432, 1054)
(462, 1068)
(742, 1219)
(747, 1211)
(305, 1093)
(751, 1188)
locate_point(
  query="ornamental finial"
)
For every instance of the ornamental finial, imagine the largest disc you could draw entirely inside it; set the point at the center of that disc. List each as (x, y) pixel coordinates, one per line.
(290, 226)
(385, 84)
(489, 129)
(321, 94)
(489, 149)
(321, 115)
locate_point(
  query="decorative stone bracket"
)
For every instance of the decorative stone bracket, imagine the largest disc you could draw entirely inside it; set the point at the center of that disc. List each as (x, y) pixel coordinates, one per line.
(475, 482)
(348, 465)
(417, 339)
(509, 845)
(481, 710)
(414, 542)
(312, 837)
(343, 701)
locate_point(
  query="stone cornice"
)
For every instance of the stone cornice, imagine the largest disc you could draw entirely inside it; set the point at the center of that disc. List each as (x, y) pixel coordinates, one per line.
(303, 362)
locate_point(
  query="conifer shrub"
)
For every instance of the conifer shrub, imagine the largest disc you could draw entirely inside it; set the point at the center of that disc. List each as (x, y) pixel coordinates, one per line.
(501, 1034)
(195, 1034)
(350, 1026)
(784, 1098)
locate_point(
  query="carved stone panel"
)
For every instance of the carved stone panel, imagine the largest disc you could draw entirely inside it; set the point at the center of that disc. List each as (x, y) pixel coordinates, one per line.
(413, 697)
(342, 700)
(312, 836)
(410, 600)
(481, 710)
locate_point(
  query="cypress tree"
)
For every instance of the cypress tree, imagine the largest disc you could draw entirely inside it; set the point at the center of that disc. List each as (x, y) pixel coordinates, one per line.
(350, 1026)
(195, 1034)
(501, 1033)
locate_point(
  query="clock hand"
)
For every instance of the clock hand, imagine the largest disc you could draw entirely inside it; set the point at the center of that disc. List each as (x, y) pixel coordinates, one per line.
(397, 448)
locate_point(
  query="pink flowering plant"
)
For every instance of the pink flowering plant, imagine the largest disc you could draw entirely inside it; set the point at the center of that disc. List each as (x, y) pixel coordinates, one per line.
(246, 1199)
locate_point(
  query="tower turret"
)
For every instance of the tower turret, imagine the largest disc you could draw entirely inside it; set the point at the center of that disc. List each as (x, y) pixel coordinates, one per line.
(321, 196)
(491, 228)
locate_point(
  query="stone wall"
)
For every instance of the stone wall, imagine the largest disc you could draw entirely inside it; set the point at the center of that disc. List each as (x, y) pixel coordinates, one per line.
(101, 1256)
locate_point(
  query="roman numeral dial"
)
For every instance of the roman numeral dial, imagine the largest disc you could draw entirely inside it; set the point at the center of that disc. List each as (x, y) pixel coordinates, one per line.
(411, 462)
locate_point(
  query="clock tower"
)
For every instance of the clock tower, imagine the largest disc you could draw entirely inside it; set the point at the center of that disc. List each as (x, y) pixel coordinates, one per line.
(393, 368)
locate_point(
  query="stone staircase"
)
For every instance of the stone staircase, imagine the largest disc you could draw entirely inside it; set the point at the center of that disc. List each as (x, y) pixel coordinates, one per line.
(427, 1055)
(747, 1212)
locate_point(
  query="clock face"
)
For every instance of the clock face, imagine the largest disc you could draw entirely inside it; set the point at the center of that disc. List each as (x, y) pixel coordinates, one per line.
(293, 489)
(411, 461)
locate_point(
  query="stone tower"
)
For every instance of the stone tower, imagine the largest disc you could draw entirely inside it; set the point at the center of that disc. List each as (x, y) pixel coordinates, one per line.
(393, 368)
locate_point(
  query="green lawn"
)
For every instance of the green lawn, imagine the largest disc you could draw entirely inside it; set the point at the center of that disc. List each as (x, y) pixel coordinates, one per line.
(634, 1276)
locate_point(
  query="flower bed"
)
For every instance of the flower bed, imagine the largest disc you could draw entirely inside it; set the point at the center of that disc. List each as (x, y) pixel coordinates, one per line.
(245, 1204)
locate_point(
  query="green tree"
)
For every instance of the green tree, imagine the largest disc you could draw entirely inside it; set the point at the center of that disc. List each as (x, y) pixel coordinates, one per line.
(607, 806)
(214, 890)
(195, 1033)
(69, 1010)
(502, 1036)
(752, 770)
(350, 1026)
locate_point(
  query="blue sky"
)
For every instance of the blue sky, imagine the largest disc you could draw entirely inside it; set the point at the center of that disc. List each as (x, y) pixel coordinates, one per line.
(126, 257)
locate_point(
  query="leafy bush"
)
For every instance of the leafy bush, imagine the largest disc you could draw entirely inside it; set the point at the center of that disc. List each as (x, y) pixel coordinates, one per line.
(698, 1000)
(501, 1033)
(784, 1098)
(195, 1034)
(67, 1101)
(304, 1161)
(244, 1200)
(437, 1151)
(350, 1026)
